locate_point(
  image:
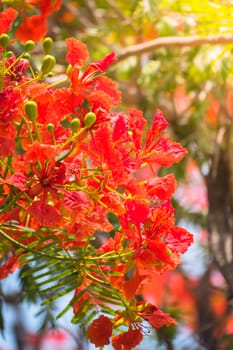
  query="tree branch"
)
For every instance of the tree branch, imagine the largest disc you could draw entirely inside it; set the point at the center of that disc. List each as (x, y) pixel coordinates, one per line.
(174, 41)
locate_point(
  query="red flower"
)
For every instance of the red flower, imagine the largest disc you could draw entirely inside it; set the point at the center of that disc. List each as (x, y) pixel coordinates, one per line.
(99, 331)
(7, 17)
(47, 178)
(33, 28)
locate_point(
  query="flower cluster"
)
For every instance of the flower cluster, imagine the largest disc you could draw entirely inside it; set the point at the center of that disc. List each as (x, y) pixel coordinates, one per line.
(79, 185)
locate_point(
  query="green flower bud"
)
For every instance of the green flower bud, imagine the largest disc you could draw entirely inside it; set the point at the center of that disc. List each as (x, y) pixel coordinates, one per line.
(9, 54)
(27, 56)
(75, 124)
(29, 45)
(31, 110)
(50, 127)
(47, 64)
(4, 41)
(89, 119)
(47, 44)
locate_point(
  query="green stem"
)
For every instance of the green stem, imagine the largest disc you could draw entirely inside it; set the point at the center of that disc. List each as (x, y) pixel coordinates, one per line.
(58, 82)
(36, 130)
(73, 137)
(10, 201)
(95, 279)
(108, 256)
(8, 166)
(28, 129)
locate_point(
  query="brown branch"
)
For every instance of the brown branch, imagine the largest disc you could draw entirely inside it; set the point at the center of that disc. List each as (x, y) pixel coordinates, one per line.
(174, 41)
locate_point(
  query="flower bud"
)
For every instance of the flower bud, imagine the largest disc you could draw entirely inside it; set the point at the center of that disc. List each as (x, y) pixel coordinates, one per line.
(47, 44)
(29, 45)
(31, 110)
(50, 127)
(9, 54)
(27, 56)
(47, 64)
(89, 119)
(75, 124)
(4, 41)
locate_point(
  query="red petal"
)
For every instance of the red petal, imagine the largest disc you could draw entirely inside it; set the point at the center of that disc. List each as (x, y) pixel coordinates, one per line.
(77, 52)
(179, 239)
(159, 319)
(137, 124)
(127, 340)
(163, 187)
(75, 200)
(120, 129)
(166, 152)
(109, 87)
(103, 64)
(18, 180)
(45, 214)
(138, 212)
(132, 285)
(158, 125)
(99, 331)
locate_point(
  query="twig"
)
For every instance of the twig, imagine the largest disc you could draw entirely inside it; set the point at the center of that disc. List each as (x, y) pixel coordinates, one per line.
(174, 41)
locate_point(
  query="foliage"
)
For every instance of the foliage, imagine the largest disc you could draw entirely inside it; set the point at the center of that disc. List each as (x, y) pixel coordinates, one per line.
(83, 208)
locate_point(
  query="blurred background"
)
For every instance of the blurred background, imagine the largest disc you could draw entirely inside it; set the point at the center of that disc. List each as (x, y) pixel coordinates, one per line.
(176, 56)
